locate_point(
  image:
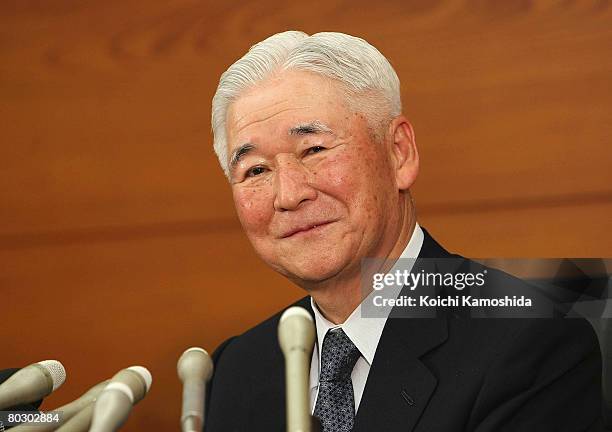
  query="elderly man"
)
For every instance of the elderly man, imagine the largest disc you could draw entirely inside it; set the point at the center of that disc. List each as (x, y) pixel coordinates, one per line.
(310, 133)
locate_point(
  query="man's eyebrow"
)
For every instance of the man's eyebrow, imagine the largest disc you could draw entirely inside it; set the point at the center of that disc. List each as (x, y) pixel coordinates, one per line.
(313, 127)
(238, 153)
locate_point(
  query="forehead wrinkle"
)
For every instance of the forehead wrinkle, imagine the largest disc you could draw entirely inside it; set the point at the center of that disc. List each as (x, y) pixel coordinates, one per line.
(268, 117)
(258, 109)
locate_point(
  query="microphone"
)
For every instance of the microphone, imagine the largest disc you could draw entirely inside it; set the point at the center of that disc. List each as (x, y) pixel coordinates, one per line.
(32, 383)
(296, 336)
(114, 404)
(67, 411)
(194, 369)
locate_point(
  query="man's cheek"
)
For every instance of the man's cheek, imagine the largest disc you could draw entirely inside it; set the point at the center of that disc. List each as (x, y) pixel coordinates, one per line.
(252, 209)
(338, 173)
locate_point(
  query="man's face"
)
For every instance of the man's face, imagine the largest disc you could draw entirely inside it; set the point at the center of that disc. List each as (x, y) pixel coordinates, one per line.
(314, 191)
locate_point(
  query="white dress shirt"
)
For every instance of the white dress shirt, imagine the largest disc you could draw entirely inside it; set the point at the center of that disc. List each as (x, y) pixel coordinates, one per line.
(365, 333)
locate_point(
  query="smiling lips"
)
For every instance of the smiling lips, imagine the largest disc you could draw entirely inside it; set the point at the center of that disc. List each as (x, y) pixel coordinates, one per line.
(306, 228)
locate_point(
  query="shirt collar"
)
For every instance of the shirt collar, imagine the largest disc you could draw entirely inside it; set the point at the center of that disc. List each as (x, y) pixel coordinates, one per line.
(365, 333)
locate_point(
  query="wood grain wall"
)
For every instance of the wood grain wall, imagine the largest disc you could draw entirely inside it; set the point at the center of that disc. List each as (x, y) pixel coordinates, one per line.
(118, 240)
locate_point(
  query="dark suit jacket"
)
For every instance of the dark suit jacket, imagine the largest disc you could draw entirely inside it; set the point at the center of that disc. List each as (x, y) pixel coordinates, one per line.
(452, 373)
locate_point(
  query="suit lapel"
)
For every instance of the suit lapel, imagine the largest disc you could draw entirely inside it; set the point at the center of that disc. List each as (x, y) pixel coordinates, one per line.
(399, 384)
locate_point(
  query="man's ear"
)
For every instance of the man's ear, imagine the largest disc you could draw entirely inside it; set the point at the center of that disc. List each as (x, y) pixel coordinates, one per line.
(404, 152)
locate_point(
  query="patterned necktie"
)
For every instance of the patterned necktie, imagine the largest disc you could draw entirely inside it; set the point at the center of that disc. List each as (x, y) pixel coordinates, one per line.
(335, 405)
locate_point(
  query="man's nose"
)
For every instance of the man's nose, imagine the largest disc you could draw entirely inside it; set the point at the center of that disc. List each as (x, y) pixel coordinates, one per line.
(292, 184)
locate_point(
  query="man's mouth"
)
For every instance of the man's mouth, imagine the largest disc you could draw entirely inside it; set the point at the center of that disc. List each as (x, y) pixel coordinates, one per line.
(313, 227)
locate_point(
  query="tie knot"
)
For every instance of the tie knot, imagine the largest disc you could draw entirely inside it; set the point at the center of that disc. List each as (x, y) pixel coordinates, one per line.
(338, 356)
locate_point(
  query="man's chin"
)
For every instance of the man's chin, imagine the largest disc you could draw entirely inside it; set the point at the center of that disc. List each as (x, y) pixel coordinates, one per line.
(312, 275)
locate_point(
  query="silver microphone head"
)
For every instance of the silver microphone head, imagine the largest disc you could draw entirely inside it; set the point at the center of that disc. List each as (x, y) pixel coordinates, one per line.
(296, 330)
(31, 383)
(195, 363)
(195, 368)
(56, 371)
(144, 373)
(125, 389)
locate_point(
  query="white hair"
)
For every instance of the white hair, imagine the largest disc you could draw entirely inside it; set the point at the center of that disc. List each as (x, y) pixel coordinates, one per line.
(352, 61)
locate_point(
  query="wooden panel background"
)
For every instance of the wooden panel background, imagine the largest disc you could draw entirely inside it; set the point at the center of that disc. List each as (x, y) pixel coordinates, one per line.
(118, 239)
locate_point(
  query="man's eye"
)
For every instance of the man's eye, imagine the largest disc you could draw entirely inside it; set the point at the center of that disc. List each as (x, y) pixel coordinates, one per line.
(255, 171)
(315, 149)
